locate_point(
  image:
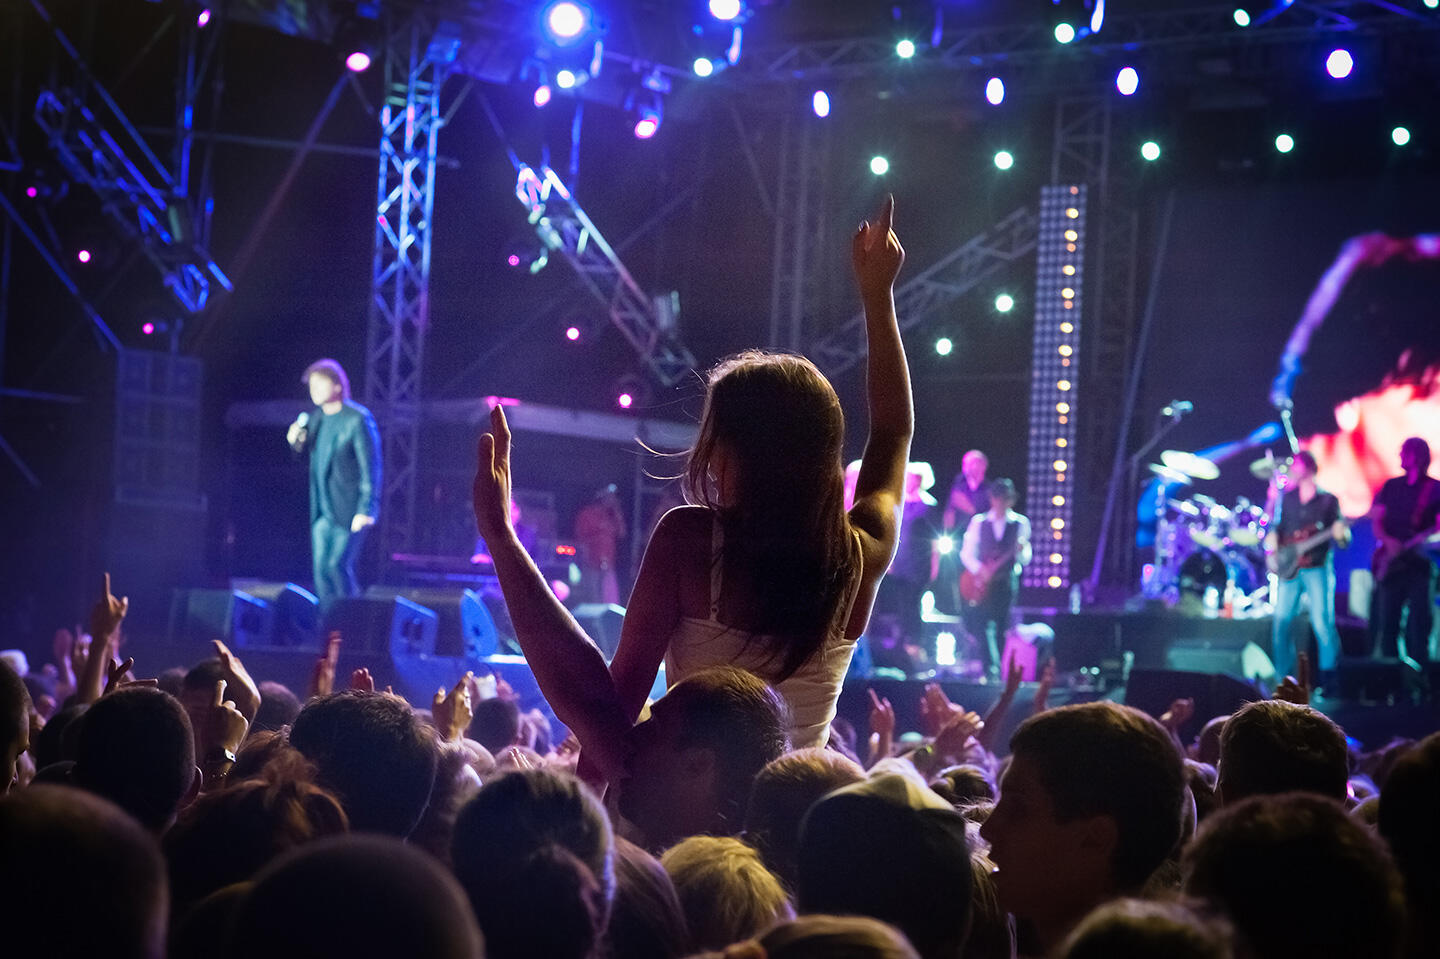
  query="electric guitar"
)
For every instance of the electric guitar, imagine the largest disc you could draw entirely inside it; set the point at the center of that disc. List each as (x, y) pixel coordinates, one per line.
(1386, 555)
(976, 586)
(1291, 557)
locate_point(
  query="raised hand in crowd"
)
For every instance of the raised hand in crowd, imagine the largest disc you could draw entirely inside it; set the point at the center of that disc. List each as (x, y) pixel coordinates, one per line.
(243, 689)
(454, 711)
(1179, 713)
(322, 679)
(1014, 676)
(1042, 688)
(1296, 689)
(105, 619)
(219, 734)
(882, 728)
(362, 680)
(116, 672)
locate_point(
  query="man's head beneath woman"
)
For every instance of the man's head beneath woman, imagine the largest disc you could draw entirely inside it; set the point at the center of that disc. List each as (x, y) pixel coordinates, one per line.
(766, 416)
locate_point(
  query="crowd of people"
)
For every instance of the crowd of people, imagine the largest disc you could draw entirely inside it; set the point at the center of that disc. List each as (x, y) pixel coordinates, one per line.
(203, 813)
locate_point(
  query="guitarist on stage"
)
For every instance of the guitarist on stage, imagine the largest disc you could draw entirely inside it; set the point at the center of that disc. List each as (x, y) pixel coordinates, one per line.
(1404, 516)
(996, 545)
(1305, 513)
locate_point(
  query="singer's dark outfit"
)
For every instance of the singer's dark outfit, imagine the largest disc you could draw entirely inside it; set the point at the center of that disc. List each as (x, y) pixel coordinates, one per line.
(344, 452)
(1409, 510)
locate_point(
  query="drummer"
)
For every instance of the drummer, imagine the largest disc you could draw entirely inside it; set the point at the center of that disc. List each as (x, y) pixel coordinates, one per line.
(1305, 509)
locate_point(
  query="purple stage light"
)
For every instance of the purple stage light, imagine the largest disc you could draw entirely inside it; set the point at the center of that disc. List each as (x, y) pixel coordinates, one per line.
(1127, 81)
(542, 95)
(513, 259)
(648, 124)
(995, 91)
(566, 21)
(203, 20)
(358, 62)
(625, 401)
(820, 103)
(1339, 63)
(83, 256)
(572, 333)
(148, 329)
(725, 9)
(31, 192)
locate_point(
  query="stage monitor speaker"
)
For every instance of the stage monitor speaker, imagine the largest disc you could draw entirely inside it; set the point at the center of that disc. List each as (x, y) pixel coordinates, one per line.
(602, 621)
(1215, 694)
(1365, 679)
(391, 624)
(296, 612)
(1206, 656)
(467, 620)
(200, 615)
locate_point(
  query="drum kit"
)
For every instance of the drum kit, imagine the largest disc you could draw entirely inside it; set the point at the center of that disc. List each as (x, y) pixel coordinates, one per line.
(1208, 553)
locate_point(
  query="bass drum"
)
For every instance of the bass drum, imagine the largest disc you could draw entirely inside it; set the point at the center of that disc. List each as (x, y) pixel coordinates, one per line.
(1206, 567)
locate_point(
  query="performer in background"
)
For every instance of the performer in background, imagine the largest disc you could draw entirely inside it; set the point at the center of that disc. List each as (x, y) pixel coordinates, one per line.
(344, 446)
(969, 493)
(996, 545)
(1304, 512)
(1404, 516)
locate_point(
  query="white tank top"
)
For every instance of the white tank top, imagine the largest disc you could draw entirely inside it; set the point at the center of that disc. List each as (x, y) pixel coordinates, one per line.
(810, 692)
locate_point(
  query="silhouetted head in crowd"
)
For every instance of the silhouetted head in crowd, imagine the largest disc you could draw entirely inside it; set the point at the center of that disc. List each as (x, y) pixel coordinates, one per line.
(533, 851)
(891, 849)
(1207, 743)
(646, 921)
(50, 746)
(1143, 929)
(14, 724)
(1271, 747)
(455, 783)
(172, 681)
(374, 753)
(694, 760)
(1090, 805)
(825, 937)
(197, 692)
(355, 897)
(135, 748)
(782, 793)
(81, 878)
(963, 786)
(1201, 779)
(725, 890)
(1409, 819)
(278, 707)
(1298, 878)
(496, 723)
(228, 835)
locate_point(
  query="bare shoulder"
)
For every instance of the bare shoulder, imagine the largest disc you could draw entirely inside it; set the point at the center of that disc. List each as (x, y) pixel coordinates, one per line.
(684, 524)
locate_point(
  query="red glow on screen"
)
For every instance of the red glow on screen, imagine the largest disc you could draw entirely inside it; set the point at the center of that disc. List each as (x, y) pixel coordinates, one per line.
(563, 550)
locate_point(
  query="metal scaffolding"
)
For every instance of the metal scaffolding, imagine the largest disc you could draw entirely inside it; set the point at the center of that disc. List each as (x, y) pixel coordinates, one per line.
(801, 226)
(952, 277)
(417, 62)
(564, 228)
(1033, 43)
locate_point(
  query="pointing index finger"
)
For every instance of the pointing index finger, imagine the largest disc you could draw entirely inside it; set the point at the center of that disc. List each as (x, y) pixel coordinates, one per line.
(887, 213)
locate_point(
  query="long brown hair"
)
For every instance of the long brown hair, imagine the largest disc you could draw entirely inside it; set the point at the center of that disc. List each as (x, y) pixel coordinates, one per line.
(776, 418)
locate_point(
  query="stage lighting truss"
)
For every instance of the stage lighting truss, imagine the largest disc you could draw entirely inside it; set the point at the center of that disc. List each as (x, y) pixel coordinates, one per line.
(564, 228)
(717, 42)
(1055, 382)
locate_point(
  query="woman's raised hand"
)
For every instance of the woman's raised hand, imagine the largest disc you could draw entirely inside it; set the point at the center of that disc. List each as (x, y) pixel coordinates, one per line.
(491, 492)
(876, 252)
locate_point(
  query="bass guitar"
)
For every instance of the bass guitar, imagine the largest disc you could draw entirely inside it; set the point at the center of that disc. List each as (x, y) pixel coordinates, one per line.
(1390, 552)
(1292, 557)
(974, 587)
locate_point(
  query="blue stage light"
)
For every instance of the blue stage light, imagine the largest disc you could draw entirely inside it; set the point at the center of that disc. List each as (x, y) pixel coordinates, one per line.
(565, 22)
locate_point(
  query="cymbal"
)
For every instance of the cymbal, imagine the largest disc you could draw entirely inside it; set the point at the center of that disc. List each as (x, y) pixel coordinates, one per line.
(1190, 464)
(1264, 469)
(1169, 475)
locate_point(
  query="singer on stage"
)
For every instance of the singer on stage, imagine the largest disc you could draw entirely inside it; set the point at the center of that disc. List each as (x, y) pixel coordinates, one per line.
(344, 447)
